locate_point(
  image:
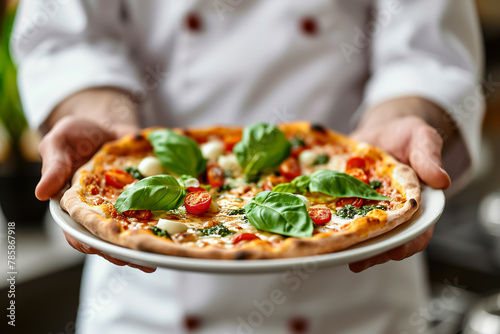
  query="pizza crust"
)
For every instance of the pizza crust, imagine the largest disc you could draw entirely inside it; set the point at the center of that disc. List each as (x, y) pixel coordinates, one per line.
(377, 222)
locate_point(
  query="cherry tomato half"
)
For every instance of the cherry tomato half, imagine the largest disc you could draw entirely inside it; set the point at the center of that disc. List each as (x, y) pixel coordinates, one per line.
(244, 237)
(194, 189)
(290, 168)
(139, 214)
(118, 178)
(215, 175)
(354, 201)
(320, 216)
(356, 162)
(359, 174)
(198, 202)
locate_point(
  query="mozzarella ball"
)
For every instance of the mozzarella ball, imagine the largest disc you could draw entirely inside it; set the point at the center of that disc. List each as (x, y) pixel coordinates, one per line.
(212, 150)
(171, 226)
(192, 183)
(307, 158)
(150, 166)
(305, 199)
(214, 207)
(230, 163)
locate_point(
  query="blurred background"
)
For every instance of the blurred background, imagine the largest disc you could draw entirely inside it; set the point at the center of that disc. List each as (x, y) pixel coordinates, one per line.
(463, 257)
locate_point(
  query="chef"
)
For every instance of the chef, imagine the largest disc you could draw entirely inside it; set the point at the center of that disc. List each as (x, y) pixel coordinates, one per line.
(400, 74)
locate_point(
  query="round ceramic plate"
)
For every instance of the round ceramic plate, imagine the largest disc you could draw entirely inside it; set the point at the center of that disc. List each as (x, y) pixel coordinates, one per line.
(429, 212)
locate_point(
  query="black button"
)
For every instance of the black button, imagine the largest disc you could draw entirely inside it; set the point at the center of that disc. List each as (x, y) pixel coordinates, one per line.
(193, 22)
(309, 26)
(192, 323)
(298, 325)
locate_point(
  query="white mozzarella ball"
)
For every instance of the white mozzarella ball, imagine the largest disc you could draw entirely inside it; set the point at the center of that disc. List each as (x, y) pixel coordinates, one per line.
(171, 226)
(230, 163)
(150, 166)
(192, 183)
(212, 150)
(307, 158)
(305, 199)
(214, 207)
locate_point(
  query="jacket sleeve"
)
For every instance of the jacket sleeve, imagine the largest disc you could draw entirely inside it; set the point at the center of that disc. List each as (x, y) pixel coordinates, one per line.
(62, 47)
(430, 49)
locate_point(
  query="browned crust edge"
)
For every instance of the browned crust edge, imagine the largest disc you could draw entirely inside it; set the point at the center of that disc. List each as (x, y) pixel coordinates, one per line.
(364, 228)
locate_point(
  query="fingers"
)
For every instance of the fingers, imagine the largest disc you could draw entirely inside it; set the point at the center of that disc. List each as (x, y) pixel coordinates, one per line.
(397, 254)
(83, 248)
(425, 157)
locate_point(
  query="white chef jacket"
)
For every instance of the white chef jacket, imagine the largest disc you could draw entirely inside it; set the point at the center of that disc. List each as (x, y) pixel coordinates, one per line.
(235, 62)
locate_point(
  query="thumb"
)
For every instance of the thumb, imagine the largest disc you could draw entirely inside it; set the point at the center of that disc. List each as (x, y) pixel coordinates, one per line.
(425, 157)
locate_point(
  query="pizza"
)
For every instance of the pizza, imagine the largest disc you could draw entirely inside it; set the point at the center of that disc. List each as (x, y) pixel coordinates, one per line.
(258, 192)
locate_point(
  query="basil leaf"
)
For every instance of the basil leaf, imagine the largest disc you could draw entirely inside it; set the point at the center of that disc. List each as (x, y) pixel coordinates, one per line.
(134, 172)
(159, 192)
(178, 153)
(279, 213)
(338, 184)
(262, 146)
(299, 185)
(184, 178)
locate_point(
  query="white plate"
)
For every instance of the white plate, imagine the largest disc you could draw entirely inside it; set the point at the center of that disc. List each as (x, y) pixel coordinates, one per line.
(429, 212)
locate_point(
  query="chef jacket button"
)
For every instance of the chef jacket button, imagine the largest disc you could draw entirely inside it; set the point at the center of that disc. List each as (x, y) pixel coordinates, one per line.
(193, 22)
(298, 325)
(309, 26)
(192, 323)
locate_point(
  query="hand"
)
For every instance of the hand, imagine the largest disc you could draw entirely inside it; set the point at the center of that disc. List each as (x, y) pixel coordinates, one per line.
(70, 143)
(412, 141)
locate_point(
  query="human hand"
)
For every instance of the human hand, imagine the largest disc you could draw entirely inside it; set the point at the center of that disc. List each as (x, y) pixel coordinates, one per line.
(412, 141)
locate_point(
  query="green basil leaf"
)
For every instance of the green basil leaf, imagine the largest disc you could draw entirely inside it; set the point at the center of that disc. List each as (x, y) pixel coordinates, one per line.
(299, 185)
(184, 178)
(262, 146)
(134, 172)
(279, 213)
(159, 192)
(286, 188)
(178, 153)
(338, 184)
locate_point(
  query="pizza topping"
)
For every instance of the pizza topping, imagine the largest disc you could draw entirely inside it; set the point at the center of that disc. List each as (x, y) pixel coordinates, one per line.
(307, 158)
(150, 166)
(192, 183)
(198, 202)
(117, 178)
(355, 162)
(212, 150)
(214, 207)
(290, 168)
(160, 192)
(230, 164)
(359, 174)
(244, 237)
(138, 214)
(350, 211)
(171, 226)
(178, 153)
(215, 175)
(320, 216)
(159, 232)
(217, 230)
(184, 237)
(375, 184)
(305, 199)
(298, 146)
(354, 201)
(134, 172)
(280, 213)
(262, 146)
(321, 159)
(234, 212)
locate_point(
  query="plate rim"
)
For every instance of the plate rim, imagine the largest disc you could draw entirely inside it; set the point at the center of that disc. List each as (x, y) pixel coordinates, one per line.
(352, 254)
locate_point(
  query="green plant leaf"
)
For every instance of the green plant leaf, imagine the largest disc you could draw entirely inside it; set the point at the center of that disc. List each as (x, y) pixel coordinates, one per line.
(262, 146)
(159, 192)
(178, 153)
(299, 185)
(338, 184)
(279, 213)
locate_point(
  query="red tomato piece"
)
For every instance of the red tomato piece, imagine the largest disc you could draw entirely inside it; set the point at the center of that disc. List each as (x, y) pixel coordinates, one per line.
(320, 216)
(117, 178)
(194, 189)
(215, 175)
(198, 202)
(359, 174)
(290, 168)
(139, 214)
(230, 141)
(354, 201)
(356, 162)
(244, 237)
(296, 150)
